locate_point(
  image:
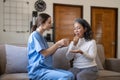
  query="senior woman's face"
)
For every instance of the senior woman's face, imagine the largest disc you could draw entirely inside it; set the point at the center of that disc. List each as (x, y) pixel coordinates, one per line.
(79, 30)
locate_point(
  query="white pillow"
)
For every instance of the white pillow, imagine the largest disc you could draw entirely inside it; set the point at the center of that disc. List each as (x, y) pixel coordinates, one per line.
(16, 59)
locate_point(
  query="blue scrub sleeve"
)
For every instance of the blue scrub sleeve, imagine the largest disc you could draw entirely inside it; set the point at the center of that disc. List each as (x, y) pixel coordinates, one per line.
(39, 45)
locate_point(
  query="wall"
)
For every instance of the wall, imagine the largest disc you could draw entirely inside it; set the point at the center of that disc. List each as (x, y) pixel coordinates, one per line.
(20, 38)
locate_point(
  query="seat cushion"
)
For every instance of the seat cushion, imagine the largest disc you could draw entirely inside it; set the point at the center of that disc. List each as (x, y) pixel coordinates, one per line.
(16, 76)
(108, 75)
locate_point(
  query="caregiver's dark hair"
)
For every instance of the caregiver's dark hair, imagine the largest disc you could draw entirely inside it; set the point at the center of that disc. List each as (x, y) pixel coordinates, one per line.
(88, 34)
(41, 19)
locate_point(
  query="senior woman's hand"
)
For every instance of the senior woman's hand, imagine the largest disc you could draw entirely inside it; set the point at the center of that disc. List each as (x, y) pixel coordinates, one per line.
(77, 51)
(75, 40)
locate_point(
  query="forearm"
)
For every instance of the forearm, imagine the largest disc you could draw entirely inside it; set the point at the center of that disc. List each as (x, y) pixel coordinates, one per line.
(70, 55)
(91, 52)
(88, 56)
(50, 50)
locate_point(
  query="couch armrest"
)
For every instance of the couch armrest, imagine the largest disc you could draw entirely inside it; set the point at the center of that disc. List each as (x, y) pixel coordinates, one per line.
(112, 64)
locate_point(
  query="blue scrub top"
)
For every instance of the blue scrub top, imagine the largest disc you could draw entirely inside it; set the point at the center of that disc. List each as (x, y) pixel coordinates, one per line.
(37, 61)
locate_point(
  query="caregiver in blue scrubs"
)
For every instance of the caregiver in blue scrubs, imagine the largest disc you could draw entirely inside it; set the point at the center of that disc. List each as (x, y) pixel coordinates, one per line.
(40, 65)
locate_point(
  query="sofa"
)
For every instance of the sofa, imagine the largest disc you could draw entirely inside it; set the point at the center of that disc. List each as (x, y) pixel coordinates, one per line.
(13, 63)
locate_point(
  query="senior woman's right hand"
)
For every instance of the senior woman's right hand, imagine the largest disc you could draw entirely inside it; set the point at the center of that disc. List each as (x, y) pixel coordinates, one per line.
(75, 40)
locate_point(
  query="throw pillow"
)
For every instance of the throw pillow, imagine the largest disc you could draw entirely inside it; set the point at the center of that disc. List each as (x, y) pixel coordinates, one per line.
(16, 59)
(99, 63)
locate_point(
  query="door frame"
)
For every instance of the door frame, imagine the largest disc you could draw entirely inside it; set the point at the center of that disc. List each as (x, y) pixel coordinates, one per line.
(58, 4)
(116, 24)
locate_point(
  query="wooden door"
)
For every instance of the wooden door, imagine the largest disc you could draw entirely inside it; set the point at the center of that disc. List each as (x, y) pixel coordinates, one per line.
(64, 16)
(104, 26)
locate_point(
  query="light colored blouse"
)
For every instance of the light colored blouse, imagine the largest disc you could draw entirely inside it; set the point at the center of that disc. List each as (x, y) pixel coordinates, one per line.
(85, 60)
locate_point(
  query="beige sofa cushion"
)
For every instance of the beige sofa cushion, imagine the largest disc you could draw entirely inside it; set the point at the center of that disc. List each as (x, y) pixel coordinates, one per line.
(16, 59)
(108, 75)
(14, 76)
